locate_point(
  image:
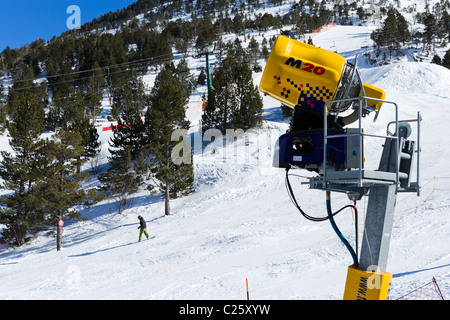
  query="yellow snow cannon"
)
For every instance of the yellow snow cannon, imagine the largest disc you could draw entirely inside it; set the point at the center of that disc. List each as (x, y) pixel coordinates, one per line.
(298, 74)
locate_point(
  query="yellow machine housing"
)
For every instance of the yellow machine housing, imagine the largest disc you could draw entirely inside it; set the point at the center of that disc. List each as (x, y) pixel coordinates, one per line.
(363, 285)
(300, 74)
(373, 92)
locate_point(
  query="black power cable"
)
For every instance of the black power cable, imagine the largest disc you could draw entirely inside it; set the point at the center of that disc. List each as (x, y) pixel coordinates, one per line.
(294, 201)
(329, 217)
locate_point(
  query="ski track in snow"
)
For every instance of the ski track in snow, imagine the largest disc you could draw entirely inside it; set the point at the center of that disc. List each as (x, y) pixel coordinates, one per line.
(240, 222)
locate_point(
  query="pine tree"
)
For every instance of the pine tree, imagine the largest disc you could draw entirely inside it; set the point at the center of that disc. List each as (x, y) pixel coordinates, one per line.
(183, 73)
(124, 176)
(128, 93)
(444, 30)
(201, 80)
(206, 34)
(66, 101)
(153, 44)
(236, 51)
(127, 133)
(2, 109)
(430, 27)
(26, 87)
(234, 102)
(403, 33)
(165, 115)
(92, 104)
(20, 171)
(62, 185)
(253, 50)
(436, 59)
(394, 31)
(89, 138)
(386, 36)
(446, 59)
(121, 179)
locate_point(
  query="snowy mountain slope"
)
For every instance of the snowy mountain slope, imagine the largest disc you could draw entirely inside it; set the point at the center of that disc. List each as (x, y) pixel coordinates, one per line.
(241, 224)
(338, 39)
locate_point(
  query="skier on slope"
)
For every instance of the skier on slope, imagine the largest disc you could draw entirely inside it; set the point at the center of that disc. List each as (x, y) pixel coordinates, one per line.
(142, 227)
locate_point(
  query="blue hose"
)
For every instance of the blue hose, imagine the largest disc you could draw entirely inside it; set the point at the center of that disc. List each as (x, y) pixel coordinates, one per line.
(338, 232)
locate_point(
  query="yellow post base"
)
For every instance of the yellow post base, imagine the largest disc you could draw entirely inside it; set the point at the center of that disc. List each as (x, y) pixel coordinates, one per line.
(363, 285)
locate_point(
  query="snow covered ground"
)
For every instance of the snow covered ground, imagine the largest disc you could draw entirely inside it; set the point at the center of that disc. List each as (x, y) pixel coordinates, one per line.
(240, 222)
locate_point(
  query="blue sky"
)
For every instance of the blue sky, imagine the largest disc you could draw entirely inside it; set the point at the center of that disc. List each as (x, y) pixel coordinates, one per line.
(24, 21)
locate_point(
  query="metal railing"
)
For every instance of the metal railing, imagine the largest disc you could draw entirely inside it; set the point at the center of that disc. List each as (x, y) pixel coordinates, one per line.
(361, 105)
(360, 134)
(418, 120)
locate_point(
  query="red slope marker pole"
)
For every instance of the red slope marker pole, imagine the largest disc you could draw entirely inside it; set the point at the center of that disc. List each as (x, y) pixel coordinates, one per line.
(246, 283)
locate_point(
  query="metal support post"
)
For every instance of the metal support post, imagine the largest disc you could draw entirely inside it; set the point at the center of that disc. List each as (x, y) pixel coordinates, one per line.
(208, 73)
(378, 227)
(207, 53)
